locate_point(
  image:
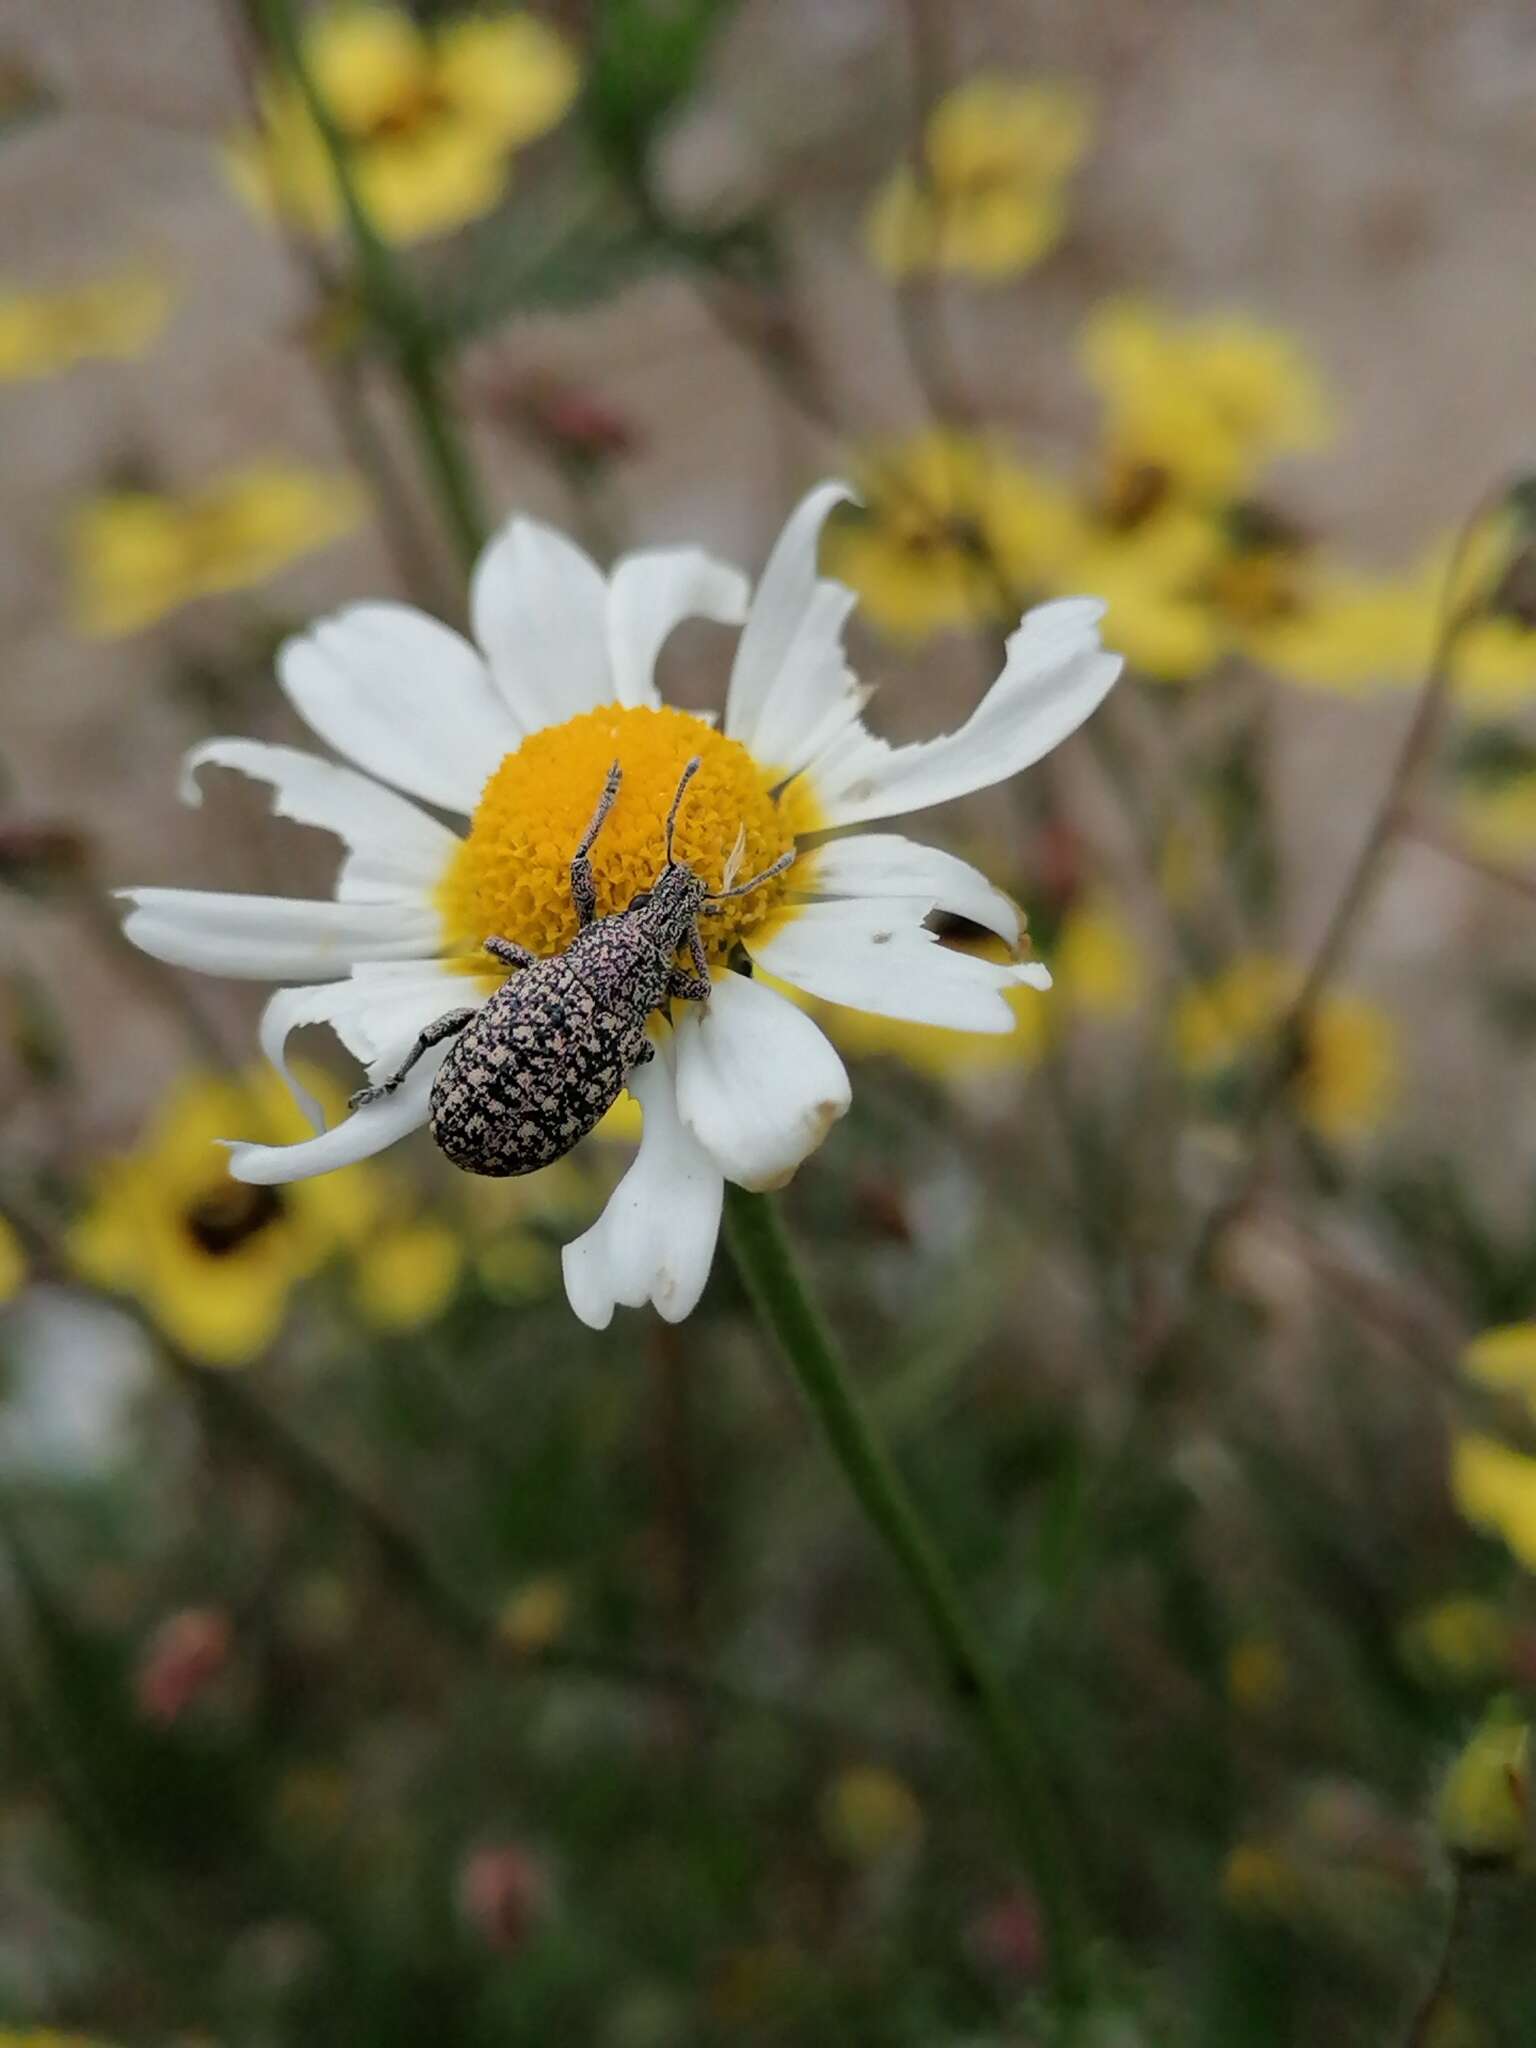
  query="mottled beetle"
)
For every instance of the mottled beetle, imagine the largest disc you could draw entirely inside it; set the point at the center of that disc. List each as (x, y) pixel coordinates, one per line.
(538, 1063)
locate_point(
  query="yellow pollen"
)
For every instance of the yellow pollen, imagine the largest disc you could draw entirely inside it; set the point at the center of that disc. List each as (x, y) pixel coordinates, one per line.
(512, 877)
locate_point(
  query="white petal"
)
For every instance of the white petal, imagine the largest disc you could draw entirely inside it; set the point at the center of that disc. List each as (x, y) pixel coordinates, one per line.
(757, 1082)
(1055, 675)
(274, 938)
(395, 851)
(364, 1132)
(784, 596)
(377, 1014)
(402, 696)
(655, 1241)
(540, 611)
(881, 957)
(886, 864)
(652, 592)
(287, 1010)
(816, 695)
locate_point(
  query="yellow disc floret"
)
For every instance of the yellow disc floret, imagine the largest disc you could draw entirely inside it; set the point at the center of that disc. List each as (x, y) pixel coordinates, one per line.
(512, 877)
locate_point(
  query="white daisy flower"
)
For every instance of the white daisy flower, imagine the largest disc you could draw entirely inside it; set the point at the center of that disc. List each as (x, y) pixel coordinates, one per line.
(516, 734)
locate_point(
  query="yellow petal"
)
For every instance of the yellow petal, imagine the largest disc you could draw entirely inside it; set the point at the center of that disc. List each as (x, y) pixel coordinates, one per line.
(514, 77)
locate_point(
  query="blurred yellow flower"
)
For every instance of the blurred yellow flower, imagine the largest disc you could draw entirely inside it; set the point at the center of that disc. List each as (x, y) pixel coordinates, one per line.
(1484, 1810)
(1153, 566)
(535, 1615)
(406, 1274)
(989, 200)
(431, 117)
(136, 555)
(1462, 1639)
(213, 1260)
(1503, 1359)
(1204, 402)
(13, 1264)
(953, 530)
(1497, 818)
(1495, 1489)
(1261, 1880)
(1098, 971)
(43, 333)
(868, 1814)
(1349, 1068)
(1256, 1674)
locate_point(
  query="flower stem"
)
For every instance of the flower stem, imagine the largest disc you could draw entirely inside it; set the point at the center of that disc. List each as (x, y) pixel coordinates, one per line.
(392, 303)
(768, 1268)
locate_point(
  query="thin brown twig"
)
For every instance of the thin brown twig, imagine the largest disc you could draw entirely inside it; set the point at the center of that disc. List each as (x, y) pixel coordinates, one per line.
(339, 378)
(1431, 832)
(1426, 2014)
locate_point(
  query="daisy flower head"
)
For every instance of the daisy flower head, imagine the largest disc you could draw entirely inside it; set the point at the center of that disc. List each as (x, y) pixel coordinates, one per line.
(518, 734)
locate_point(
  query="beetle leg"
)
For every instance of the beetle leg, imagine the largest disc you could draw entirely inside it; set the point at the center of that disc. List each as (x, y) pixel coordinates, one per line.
(509, 953)
(441, 1028)
(583, 889)
(695, 987)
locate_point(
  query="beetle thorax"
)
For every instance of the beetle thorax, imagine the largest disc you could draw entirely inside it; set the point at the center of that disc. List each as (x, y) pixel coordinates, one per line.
(672, 908)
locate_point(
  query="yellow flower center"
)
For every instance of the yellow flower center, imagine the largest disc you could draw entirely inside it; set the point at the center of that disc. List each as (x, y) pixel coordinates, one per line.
(512, 877)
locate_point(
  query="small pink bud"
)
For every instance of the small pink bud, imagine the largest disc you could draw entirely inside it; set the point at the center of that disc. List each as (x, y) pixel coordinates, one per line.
(1006, 1938)
(502, 1892)
(181, 1660)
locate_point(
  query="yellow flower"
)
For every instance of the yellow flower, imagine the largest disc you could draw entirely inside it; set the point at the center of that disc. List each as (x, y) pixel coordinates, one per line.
(1503, 1359)
(1498, 818)
(1329, 627)
(406, 1274)
(1261, 1881)
(1204, 402)
(535, 1615)
(136, 555)
(1462, 1639)
(43, 333)
(953, 530)
(1484, 1811)
(212, 1259)
(1097, 969)
(1153, 568)
(1348, 1073)
(1494, 1487)
(13, 1265)
(431, 119)
(1256, 1674)
(868, 1814)
(997, 153)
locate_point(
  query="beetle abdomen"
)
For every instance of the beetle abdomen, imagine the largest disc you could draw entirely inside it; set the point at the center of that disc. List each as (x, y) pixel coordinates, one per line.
(532, 1074)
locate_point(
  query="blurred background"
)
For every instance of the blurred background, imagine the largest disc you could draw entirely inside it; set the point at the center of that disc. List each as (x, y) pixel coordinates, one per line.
(384, 1657)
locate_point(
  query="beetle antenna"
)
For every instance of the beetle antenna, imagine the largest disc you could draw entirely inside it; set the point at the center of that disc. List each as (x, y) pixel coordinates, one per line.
(784, 861)
(689, 773)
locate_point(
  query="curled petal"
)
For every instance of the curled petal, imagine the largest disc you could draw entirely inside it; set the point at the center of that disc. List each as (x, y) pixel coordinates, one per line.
(394, 850)
(365, 1132)
(655, 1241)
(881, 957)
(652, 592)
(1056, 673)
(758, 1084)
(875, 864)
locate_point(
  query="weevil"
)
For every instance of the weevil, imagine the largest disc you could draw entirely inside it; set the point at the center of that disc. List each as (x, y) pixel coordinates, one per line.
(534, 1067)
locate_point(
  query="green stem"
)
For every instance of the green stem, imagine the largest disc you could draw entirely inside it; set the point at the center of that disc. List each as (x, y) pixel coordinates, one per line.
(769, 1271)
(392, 304)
